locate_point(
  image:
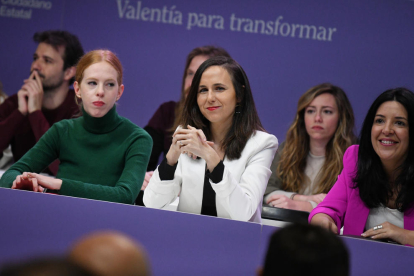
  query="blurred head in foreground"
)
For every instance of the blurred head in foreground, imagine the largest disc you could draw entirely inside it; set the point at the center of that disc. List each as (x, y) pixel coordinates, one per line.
(304, 249)
(45, 267)
(110, 253)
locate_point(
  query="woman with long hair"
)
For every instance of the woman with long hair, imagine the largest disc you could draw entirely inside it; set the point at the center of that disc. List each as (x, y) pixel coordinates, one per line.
(166, 119)
(102, 155)
(220, 156)
(309, 161)
(374, 194)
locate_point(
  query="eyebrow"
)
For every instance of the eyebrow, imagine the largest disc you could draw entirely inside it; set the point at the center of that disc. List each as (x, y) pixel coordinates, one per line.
(36, 55)
(397, 117)
(325, 106)
(94, 78)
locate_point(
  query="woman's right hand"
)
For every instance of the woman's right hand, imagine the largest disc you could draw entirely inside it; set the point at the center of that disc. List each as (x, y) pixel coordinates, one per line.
(174, 152)
(324, 221)
(23, 182)
(147, 178)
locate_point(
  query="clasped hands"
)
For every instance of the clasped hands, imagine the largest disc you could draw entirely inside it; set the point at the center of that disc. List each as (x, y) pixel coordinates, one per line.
(30, 96)
(36, 182)
(193, 142)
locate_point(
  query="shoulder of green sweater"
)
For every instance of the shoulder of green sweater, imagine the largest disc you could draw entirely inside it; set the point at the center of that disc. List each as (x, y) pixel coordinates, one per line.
(66, 123)
(133, 129)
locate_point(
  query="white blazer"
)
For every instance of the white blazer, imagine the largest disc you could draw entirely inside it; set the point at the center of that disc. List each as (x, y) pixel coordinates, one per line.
(238, 196)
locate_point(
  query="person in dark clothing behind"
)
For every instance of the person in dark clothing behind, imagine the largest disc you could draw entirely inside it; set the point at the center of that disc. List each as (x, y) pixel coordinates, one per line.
(45, 97)
(102, 155)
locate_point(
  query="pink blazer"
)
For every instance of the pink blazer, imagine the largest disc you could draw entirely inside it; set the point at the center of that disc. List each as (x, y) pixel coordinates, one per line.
(343, 203)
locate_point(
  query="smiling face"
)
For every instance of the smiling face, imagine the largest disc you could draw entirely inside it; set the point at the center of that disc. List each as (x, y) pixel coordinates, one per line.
(389, 134)
(321, 118)
(192, 68)
(99, 89)
(216, 96)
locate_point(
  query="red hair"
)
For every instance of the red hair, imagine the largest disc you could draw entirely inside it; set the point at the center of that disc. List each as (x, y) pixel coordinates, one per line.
(96, 56)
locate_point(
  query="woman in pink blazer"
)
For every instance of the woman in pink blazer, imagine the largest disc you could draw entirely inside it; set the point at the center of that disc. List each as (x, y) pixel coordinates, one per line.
(374, 194)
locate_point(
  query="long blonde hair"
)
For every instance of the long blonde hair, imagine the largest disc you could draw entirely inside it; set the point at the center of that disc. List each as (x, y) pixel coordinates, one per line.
(291, 168)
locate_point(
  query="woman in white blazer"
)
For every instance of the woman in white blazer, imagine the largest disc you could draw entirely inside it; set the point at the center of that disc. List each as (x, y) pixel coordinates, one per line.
(219, 160)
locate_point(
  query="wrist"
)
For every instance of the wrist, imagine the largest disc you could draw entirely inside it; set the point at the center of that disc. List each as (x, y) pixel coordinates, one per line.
(24, 112)
(303, 206)
(57, 184)
(212, 160)
(299, 197)
(171, 158)
(31, 110)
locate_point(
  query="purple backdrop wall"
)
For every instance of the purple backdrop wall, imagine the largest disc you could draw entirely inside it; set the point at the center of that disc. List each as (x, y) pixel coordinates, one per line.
(363, 46)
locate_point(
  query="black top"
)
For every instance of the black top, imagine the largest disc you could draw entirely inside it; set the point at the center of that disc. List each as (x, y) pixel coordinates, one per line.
(208, 206)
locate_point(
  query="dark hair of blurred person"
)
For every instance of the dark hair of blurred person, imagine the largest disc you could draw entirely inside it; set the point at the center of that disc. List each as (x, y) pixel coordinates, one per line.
(303, 249)
(45, 267)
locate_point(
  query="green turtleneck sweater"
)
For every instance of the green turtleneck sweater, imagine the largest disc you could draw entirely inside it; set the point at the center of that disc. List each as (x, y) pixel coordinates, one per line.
(100, 158)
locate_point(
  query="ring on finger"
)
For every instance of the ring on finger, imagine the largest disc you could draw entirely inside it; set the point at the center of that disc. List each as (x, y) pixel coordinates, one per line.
(377, 227)
(181, 143)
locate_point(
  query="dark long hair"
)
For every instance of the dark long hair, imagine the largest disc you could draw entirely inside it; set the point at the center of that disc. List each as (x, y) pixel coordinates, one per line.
(245, 120)
(371, 180)
(210, 51)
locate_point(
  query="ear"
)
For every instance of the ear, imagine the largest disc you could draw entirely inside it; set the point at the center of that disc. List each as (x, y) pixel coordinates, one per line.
(120, 92)
(69, 73)
(76, 87)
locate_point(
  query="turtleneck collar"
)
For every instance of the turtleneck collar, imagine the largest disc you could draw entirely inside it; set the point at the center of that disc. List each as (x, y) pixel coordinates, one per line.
(104, 124)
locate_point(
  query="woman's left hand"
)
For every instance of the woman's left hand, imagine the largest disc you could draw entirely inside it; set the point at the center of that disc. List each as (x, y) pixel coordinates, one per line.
(387, 230)
(45, 181)
(282, 201)
(193, 142)
(318, 198)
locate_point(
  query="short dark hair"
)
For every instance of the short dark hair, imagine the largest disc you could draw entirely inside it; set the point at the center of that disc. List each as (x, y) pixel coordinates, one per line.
(303, 249)
(371, 180)
(57, 38)
(246, 120)
(45, 267)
